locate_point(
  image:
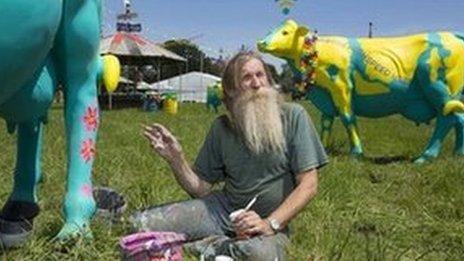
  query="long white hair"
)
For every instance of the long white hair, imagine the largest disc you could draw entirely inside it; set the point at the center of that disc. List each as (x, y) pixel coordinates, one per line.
(256, 115)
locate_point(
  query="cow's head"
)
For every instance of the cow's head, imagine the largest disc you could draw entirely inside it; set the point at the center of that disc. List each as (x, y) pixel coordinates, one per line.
(285, 41)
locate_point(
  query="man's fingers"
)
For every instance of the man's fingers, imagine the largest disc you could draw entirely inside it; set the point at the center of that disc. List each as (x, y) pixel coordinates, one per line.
(251, 213)
(155, 142)
(150, 136)
(164, 131)
(157, 146)
(246, 215)
(242, 216)
(248, 222)
(153, 131)
(250, 230)
(253, 230)
(148, 128)
(159, 127)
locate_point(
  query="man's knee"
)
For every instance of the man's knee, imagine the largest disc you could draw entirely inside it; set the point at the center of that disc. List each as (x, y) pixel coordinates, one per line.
(189, 217)
(138, 222)
(149, 220)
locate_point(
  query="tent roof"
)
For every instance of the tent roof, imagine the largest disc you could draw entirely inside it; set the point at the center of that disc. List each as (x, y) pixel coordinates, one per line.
(134, 45)
(123, 79)
(193, 75)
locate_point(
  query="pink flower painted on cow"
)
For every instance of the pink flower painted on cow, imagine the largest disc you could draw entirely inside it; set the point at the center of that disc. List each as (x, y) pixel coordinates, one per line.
(91, 118)
(88, 150)
(86, 190)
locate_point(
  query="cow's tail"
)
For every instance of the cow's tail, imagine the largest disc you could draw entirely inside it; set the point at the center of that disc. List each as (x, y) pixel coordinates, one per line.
(461, 37)
(453, 106)
(109, 72)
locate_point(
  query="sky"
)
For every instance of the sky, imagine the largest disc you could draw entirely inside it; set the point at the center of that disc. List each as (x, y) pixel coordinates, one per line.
(228, 24)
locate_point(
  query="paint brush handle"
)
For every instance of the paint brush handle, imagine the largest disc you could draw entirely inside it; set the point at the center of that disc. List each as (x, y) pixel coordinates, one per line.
(251, 203)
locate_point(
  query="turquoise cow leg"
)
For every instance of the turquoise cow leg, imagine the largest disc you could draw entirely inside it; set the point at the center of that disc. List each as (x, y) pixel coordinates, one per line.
(442, 128)
(438, 95)
(81, 127)
(29, 107)
(78, 66)
(459, 128)
(21, 208)
(28, 171)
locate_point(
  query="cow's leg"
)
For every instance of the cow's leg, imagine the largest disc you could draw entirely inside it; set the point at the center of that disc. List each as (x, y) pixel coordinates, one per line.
(448, 110)
(29, 107)
(438, 95)
(442, 128)
(17, 214)
(28, 171)
(77, 57)
(326, 129)
(459, 128)
(323, 101)
(81, 115)
(349, 121)
(337, 100)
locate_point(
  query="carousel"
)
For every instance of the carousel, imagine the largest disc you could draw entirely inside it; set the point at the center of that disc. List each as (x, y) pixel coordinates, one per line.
(141, 60)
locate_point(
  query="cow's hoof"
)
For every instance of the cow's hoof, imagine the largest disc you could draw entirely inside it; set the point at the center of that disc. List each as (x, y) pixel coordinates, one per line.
(74, 232)
(357, 156)
(356, 152)
(14, 233)
(423, 159)
(16, 222)
(420, 160)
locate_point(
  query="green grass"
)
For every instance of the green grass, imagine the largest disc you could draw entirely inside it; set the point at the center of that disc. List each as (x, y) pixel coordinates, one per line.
(365, 209)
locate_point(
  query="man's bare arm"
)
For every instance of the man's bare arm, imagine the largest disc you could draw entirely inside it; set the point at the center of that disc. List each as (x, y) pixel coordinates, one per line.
(188, 179)
(168, 147)
(250, 223)
(305, 191)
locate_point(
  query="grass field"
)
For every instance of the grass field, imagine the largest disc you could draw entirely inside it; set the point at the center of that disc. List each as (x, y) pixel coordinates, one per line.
(379, 208)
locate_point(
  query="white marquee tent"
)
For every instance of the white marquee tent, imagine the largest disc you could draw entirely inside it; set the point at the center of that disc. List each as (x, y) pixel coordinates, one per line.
(191, 86)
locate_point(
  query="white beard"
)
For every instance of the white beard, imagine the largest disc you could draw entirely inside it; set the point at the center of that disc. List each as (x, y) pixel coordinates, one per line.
(257, 116)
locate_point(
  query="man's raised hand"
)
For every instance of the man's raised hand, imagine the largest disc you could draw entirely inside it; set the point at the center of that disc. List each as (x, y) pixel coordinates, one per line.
(163, 142)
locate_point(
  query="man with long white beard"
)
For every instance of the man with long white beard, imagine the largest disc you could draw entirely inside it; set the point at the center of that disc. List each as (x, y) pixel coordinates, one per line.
(264, 151)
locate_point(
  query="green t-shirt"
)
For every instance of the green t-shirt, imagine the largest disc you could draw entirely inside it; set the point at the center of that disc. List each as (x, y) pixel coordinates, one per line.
(225, 158)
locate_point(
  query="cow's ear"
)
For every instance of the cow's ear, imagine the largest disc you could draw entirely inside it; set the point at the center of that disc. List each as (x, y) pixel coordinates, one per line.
(302, 30)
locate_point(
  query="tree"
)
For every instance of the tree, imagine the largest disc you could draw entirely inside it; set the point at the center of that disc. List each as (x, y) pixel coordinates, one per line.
(287, 83)
(273, 71)
(286, 79)
(196, 59)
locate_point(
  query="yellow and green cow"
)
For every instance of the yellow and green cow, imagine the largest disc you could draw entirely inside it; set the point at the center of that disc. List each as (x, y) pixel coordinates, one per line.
(419, 76)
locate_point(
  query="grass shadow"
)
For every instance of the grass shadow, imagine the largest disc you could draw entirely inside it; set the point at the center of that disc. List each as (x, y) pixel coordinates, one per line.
(385, 160)
(336, 148)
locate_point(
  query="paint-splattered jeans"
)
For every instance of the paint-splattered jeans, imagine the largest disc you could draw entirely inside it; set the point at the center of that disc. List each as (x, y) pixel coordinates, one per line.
(206, 223)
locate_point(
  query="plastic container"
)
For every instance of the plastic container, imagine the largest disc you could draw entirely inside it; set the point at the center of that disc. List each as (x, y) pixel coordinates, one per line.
(170, 104)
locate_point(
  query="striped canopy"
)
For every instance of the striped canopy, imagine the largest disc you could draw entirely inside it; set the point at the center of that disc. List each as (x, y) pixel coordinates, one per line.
(135, 47)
